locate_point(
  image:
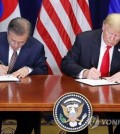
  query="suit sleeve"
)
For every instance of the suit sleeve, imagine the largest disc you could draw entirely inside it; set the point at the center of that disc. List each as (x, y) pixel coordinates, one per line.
(71, 62)
(40, 66)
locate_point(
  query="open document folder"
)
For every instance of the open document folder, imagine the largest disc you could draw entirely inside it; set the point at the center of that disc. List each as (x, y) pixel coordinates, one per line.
(8, 78)
(99, 82)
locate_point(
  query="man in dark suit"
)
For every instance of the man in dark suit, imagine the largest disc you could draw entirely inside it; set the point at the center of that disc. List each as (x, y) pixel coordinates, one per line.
(29, 59)
(85, 58)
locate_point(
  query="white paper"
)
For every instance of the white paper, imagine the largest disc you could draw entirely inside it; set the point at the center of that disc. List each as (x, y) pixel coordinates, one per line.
(8, 78)
(99, 82)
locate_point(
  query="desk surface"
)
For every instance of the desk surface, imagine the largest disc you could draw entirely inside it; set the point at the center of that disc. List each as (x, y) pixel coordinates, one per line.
(38, 93)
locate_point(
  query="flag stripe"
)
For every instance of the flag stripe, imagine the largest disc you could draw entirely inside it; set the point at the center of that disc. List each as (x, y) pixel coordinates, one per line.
(58, 23)
(85, 9)
(65, 20)
(68, 8)
(52, 65)
(81, 19)
(51, 45)
(54, 34)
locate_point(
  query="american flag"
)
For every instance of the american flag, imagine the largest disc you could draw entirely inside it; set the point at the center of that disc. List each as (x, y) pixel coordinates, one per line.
(57, 25)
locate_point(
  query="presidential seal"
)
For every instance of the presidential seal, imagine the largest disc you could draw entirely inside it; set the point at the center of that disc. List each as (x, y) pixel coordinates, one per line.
(72, 112)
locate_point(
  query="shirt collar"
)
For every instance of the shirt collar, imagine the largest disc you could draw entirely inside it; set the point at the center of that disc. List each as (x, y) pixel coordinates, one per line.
(10, 49)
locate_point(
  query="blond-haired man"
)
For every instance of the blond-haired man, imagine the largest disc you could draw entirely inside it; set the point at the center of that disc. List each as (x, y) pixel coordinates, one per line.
(87, 57)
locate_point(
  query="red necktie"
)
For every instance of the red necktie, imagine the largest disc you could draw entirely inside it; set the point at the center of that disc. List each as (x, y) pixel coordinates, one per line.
(104, 69)
(12, 62)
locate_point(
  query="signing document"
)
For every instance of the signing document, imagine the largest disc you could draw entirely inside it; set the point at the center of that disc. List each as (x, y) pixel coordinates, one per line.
(99, 82)
(8, 78)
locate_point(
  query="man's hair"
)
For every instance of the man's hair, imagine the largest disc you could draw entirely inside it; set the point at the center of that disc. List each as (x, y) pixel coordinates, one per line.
(113, 20)
(20, 26)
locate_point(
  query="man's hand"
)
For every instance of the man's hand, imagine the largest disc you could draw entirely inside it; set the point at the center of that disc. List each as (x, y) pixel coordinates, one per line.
(93, 73)
(3, 69)
(114, 78)
(21, 73)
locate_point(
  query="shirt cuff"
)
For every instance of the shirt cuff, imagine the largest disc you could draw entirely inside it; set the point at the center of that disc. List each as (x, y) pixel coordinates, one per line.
(80, 75)
(29, 69)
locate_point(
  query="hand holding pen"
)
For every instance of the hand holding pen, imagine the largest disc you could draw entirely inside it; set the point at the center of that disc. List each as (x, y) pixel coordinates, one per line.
(3, 68)
(92, 73)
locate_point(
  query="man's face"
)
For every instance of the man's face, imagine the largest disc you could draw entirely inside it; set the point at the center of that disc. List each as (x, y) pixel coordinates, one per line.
(16, 41)
(111, 36)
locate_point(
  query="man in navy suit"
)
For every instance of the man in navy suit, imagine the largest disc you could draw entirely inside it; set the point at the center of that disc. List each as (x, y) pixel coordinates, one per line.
(31, 56)
(30, 60)
(85, 57)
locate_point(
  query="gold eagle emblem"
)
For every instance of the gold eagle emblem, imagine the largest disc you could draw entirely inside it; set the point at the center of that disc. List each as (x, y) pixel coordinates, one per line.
(73, 112)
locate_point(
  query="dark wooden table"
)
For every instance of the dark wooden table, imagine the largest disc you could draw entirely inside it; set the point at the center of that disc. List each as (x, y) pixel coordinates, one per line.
(39, 93)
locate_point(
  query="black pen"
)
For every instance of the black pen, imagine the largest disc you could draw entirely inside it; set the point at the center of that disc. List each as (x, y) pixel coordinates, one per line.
(117, 82)
(79, 78)
(106, 79)
(102, 78)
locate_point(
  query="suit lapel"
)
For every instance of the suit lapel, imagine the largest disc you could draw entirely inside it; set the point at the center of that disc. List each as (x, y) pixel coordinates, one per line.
(95, 50)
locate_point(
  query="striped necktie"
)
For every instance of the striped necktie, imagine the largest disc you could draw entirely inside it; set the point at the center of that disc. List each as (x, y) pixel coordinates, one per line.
(12, 62)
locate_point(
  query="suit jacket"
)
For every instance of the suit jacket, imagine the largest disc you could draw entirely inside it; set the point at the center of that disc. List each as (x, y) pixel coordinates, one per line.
(32, 55)
(85, 54)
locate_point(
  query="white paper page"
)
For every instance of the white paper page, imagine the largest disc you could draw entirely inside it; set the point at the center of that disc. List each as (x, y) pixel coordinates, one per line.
(8, 78)
(99, 82)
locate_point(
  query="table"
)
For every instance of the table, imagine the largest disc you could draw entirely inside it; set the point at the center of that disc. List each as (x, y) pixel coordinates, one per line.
(39, 93)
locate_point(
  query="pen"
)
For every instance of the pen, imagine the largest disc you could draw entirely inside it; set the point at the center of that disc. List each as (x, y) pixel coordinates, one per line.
(79, 78)
(102, 78)
(117, 82)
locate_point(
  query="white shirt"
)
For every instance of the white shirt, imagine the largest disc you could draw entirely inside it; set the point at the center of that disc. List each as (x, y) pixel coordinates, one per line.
(102, 51)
